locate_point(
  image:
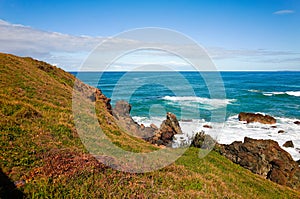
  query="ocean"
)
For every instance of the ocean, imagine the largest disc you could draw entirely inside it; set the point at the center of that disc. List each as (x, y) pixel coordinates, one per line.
(209, 98)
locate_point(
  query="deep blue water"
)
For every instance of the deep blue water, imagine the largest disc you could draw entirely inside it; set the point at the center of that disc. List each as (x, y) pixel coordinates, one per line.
(193, 95)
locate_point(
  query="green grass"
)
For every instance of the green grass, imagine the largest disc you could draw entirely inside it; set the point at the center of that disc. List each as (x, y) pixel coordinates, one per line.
(39, 144)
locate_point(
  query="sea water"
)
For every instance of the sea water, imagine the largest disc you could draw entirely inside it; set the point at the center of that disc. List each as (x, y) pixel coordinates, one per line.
(210, 98)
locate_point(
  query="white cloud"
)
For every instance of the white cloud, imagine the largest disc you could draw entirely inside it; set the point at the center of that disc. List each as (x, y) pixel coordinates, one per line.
(283, 12)
(68, 51)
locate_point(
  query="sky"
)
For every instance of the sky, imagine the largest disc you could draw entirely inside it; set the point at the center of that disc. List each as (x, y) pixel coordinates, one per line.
(236, 34)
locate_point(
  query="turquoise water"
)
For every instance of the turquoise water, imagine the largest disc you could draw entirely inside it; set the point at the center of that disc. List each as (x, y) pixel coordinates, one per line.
(214, 99)
(189, 94)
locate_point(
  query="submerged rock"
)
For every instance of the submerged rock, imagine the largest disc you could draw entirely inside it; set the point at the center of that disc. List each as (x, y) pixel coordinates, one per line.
(256, 117)
(266, 158)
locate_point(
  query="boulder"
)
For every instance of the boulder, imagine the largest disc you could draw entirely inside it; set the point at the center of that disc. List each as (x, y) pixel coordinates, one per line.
(289, 144)
(281, 131)
(266, 158)
(256, 117)
(297, 122)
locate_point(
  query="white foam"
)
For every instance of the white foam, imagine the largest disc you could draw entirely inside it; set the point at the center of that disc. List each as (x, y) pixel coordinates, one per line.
(291, 93)
(234, 130)
(254, 91)
(192, 101)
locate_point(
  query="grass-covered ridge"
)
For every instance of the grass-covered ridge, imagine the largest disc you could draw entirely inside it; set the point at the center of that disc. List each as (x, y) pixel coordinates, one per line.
(40, 146)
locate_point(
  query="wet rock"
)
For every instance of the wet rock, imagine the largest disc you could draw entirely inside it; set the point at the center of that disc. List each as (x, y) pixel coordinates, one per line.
(207, 126)
(289, 144)
(297, 122)
(256, 117)
(266, 158)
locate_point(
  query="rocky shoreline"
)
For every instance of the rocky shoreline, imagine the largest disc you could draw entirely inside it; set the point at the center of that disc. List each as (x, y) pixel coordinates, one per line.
(263, 157)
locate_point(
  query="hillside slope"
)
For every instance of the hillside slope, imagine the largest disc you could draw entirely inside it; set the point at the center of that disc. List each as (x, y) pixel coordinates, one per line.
(42, 154)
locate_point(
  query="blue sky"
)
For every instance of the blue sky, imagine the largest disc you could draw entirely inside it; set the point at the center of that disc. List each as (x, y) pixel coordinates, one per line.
(238, 34)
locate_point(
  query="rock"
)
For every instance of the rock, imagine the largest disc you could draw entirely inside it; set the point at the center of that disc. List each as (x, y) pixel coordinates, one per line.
(121, 113)
(153, 126)
(289, 144)
(99, 96)
(158, 136)
(169, 128)
(165, 134)
(207, 126)
(201, 140)
(122, 108)
(256, 117)
(281, 131)
(266, 158)
(297, 122)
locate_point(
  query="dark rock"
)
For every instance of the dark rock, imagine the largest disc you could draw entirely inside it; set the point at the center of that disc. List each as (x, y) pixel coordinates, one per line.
(288, 144)
(169, 128)
(298, 161)
(266, 158)
(256, 117)
(281, 131)
(159, 136)
(207, 126)
(297, 122)
(201, 140)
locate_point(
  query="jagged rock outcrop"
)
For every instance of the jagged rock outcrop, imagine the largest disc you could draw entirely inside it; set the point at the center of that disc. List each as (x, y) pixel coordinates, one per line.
(121, 112)
(266, 158)
(256, 117)
(159, 136)
(100, 96)
(168, 129)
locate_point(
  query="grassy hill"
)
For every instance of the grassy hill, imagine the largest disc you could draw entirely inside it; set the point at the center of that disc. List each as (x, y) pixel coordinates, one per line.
(42, 153)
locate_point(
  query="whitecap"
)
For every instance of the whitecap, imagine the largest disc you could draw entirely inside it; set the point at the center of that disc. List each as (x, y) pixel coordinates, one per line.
(293, 93)
(192, 101)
